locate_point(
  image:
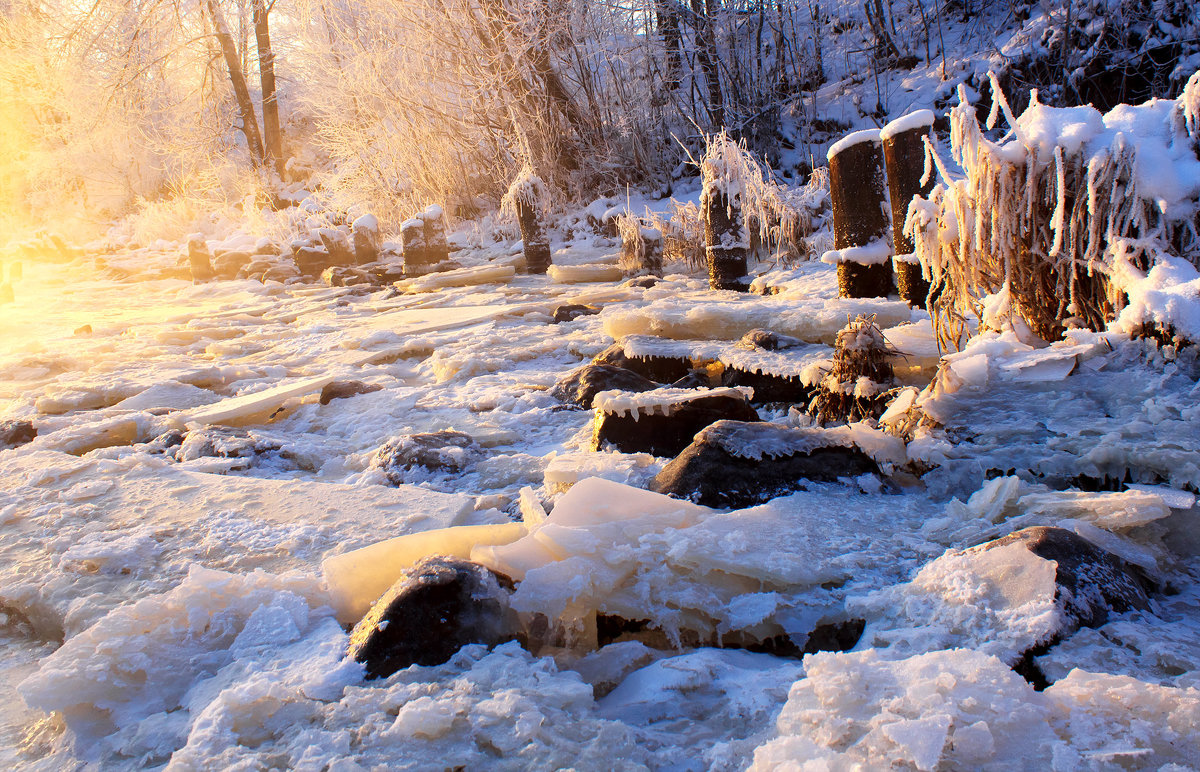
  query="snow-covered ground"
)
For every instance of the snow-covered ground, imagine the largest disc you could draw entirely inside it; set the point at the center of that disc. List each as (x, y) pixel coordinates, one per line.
(165, 605)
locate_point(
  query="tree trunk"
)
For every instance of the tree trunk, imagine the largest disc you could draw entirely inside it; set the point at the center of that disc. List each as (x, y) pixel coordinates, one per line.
(272, 133)
(667, 13)
(706, 56)
(238, 79)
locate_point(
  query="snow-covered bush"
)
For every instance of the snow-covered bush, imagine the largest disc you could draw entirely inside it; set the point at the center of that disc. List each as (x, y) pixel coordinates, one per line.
(1053, 225)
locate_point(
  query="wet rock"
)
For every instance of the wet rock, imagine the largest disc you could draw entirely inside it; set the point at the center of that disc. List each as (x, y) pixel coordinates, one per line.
(717, 469)
(768, 340)
(668, 435)
(338, 246)
(580, 386)
(445, 451)
(344, 389)
(572, 311)
(199, 259)
(282, 273)
(661, 369)
(339, 276)
(249, 448)
(16, 433)
(228, 264)
(310, 260)
(769, 387)
(1092, 583)
(696, 379)
(256, 269)
(442, 605)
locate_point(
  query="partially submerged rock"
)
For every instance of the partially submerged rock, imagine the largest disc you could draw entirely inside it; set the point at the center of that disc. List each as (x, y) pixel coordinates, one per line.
(344, 389)
(447, 451)
(580, 386)
(664, 421)
(442, 605)
(569, 312)
(16, 433)
(656, 368)
(733, 464)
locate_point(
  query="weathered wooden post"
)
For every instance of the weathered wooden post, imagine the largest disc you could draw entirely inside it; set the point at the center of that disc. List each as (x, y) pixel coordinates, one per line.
(412, 244)
(437, 250)
(726, 242)
(199, 258)
(366, 239)
(862, 244)
(526, 198)
(641, 248)
(904, 155)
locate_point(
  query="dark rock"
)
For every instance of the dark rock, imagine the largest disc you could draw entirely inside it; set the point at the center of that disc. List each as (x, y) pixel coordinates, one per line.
(582, 385)
(710, 472)
(343, 389)
(769, 387)
(310, 261)
(642, 282)
(281, 273)
(84, 330)
(572, 311)
(835, 636)
(199, 259)
(696, 379)
(661, 369)
(166, 442)
(442, 605)
(248, 447)
(338, 245)
(668, 435)
(448, 451)
(15, 433)
(228, 264)
(340, 276)
(255, 269)
(768, 340)
(1092, 582)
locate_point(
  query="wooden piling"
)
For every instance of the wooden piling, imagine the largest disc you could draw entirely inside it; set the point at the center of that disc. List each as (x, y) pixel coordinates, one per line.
(366, 239)
(904, 157)
(861, 238)
(412, 243)
(726, 245)
(199, 259)
(437, 249)
(537, 246)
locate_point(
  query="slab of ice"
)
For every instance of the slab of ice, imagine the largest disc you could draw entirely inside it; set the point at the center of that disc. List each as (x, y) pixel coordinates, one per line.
(459, 277)
(252, 407)
(357, 579)
(577, 274)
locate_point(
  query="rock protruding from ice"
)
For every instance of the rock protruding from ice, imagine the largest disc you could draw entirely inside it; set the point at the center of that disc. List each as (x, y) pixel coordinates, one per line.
(767, 340)
(16, 433)
(345, 389)
(663, 422)
(569, 312)
(664, 368)
(447, 451)
(442, 605)
(1009, 596)
(580, 386)
(732, 464)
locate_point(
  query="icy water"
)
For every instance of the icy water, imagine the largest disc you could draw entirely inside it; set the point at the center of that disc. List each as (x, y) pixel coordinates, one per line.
(167, 609)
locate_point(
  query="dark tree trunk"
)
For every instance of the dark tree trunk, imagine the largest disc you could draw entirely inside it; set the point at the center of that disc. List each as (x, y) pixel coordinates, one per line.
(667, 13)
(238, 79)
(537, 246)
(706, 56)
(272, 133)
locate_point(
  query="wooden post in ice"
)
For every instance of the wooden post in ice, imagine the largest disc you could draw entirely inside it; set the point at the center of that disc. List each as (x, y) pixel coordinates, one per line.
(641, 248)
(366, 239)
(412, 243)
(725, 242)
(526, 198)
(904, 155)
(537, 246)
(437, 250)
(199, 258)
(862, 244)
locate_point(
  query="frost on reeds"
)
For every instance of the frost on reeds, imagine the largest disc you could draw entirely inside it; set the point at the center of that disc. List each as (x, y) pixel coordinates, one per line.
(776, 221)
(857, 385)
(1055, 224)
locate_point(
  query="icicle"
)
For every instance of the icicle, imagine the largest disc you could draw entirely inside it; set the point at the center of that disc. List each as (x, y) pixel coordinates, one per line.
(1057, 222)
